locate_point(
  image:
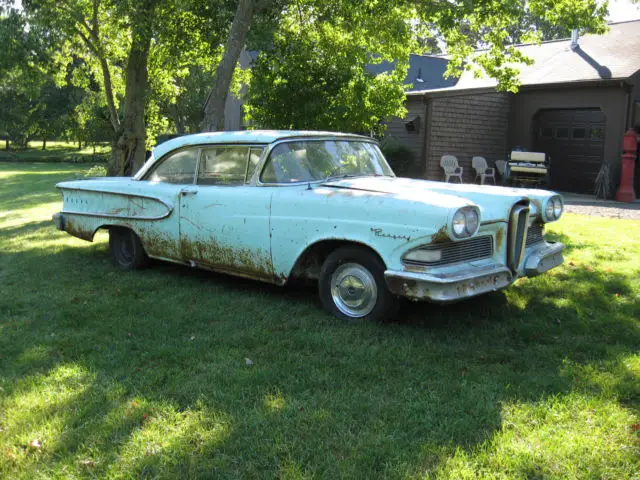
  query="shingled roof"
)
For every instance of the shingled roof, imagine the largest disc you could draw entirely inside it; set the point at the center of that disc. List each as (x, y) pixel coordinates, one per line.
(425, 72)
(612, 56)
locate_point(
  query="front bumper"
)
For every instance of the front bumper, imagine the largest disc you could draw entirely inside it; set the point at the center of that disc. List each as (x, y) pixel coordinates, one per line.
(539, 259)
(469, 280)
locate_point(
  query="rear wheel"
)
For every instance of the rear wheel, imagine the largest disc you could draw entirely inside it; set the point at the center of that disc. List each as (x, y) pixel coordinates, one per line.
(127, 252)
(352, 286)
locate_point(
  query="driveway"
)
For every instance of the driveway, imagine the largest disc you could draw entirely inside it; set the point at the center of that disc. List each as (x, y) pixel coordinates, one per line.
(589, 205)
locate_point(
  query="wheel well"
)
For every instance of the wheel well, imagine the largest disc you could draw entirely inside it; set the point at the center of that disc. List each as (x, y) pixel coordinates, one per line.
(308, 265)
(109, 227)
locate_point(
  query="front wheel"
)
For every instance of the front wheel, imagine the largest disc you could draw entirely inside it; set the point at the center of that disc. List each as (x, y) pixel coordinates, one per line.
(352, 286)
(126, 249)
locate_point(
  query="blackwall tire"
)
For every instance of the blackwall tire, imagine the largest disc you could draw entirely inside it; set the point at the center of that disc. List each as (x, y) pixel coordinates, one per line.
(127, 252)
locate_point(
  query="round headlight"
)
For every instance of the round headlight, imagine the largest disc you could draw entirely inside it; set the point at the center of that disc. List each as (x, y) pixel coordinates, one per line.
(459, 224)
(471, 217)
(465, 222)
(548, 212)
(557, 207)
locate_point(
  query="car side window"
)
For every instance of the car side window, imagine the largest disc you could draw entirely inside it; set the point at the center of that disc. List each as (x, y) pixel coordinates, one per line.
(254, 159)
(223, 166)
(287, 164)
(179, 168)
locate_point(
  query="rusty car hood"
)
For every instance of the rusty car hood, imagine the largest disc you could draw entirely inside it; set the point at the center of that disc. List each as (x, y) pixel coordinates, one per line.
(494, 202)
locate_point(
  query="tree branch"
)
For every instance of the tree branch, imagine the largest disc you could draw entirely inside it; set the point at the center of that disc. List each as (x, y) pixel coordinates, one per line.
(224, 72)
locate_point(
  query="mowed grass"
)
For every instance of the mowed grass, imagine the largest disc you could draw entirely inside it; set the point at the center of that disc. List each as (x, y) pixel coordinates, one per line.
(56, 151)
(176, 373)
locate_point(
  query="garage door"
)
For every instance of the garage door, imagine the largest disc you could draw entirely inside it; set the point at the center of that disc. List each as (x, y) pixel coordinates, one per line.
(574, 139)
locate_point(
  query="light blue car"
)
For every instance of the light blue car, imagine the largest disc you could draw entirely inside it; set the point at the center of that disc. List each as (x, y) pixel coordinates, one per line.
(278, 206)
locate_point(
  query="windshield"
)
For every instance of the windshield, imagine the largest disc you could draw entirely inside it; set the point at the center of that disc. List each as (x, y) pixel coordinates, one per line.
(314, 160)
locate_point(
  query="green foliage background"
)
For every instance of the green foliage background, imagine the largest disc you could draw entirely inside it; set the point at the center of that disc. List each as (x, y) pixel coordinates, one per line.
(310, 73)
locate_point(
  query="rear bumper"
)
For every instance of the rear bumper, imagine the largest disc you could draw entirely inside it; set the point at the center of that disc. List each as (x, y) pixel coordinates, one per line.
(469, 280)
(58, 220)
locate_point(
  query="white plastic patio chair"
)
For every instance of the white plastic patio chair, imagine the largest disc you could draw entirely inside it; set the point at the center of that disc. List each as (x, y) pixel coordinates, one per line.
(483, 171)
(501, 166)
(449, 164)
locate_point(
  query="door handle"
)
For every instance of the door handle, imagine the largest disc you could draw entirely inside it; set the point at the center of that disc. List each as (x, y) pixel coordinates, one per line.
(188, 192)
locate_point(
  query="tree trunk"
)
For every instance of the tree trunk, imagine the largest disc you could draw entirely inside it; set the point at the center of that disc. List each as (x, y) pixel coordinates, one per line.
(6, 143)
(128, 149)
(214, 119)
(79, 144)
(44, 144)
(178, 120)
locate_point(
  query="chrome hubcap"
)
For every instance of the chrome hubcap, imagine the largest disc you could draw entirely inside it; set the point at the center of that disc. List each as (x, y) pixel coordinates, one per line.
(354, 290)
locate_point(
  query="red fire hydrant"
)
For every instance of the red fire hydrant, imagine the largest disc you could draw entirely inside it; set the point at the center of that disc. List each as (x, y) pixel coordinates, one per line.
(629, 144)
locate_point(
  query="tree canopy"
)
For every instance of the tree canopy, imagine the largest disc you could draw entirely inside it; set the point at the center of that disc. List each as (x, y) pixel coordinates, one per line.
(313, 73)
(146, 66)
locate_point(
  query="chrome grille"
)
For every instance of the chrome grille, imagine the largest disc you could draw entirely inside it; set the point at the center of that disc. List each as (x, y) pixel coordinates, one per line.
(535, 234)
(517, 237)
(455, 252)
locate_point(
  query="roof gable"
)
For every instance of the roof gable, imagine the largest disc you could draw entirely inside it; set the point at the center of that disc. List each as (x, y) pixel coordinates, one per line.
(614, 55)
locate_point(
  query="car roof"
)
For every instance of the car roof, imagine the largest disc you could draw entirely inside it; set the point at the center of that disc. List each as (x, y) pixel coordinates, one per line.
(243, 137)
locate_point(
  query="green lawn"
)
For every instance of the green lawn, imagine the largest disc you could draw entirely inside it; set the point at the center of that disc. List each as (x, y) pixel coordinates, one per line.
(56, 152)
(109, 374)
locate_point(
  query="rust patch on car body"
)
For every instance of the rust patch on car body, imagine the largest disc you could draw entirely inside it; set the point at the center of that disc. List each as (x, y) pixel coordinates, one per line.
(241, 261)
(159, 245)
(75, 227)
(441, 236)
(407, 288)
(500, 238)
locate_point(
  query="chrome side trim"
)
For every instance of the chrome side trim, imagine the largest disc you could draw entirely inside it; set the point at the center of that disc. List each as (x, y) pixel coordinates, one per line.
(119, 217)
(491, 222)
(168, 206)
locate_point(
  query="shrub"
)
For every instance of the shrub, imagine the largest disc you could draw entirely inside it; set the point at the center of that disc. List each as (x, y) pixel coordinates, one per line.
(399, 156)
(96, 171)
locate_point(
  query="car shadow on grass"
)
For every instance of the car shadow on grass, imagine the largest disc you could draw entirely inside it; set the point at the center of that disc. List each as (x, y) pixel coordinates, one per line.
(177, 372)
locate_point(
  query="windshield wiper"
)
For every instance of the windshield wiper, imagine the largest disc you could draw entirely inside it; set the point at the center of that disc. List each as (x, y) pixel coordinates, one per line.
(341, 176)
(354, 175)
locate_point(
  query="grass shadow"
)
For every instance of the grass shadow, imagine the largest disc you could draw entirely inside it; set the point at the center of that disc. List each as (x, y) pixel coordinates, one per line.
(174, 372)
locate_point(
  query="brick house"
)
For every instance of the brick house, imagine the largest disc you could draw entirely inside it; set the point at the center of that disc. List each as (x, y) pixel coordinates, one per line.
(575, 103)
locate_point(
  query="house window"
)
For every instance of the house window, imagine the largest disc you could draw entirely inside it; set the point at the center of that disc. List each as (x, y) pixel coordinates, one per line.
(546, 132)
(596, 134)
(579, 133)
(562, 132)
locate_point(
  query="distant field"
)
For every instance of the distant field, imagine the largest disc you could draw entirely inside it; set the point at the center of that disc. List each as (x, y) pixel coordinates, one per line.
(57, 152)
(108, 374)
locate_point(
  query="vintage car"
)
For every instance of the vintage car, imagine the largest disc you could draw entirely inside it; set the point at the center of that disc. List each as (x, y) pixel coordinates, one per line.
(283, 205)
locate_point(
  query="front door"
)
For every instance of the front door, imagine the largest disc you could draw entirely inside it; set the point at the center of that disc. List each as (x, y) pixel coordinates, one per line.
(224, 223)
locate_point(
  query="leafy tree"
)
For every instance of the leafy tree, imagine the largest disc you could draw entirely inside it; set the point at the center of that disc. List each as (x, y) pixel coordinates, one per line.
(20, 78)
(463, 25)
(125, 44)
(254, 21)
(317, 62)
(318, 54)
